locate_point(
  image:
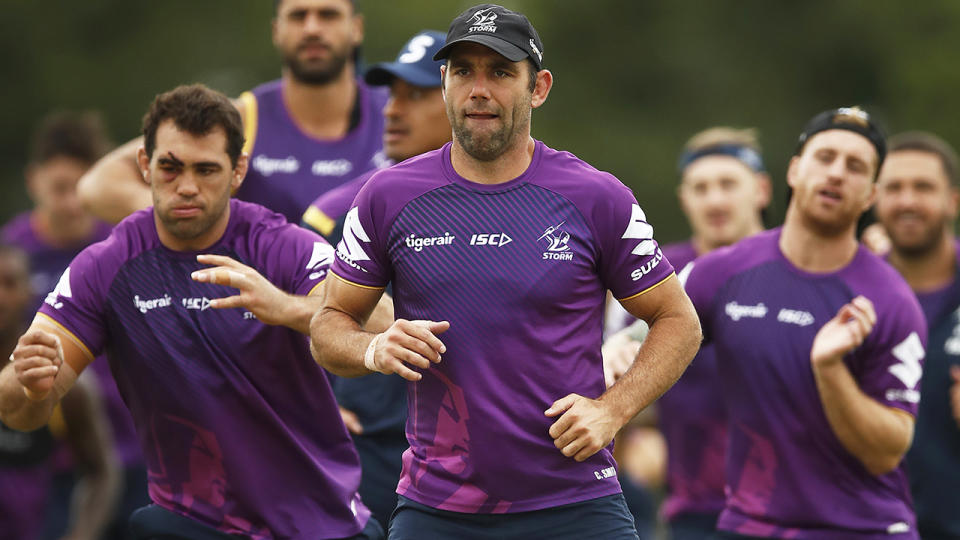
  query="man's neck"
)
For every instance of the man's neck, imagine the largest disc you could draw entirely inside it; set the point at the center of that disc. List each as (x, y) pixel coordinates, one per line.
(931, 270)
(323, 110)
(701, 246)
(504, 168)
(816, 251)
(60, 237)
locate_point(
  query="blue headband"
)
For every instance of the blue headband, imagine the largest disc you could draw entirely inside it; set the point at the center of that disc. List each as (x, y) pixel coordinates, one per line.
(746, 155)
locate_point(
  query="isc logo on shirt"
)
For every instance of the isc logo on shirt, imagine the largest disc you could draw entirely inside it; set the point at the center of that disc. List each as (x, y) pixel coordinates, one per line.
(486, 239)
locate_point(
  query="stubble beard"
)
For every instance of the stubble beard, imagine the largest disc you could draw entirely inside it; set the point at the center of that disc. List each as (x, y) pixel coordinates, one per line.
(321, 73)
(189, 229)
(488, 147)
(928, 242)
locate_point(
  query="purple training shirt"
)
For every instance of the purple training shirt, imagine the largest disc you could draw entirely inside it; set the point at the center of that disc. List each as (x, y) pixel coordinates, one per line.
(289, 168)
(237, 422)
(520, 269)
(788, 475)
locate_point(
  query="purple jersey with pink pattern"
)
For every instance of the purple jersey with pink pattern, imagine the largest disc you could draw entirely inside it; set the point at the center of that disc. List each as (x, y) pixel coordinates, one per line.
(289, 168)
(520, 269)
(237, 422)
(694, 424)
(788, 474)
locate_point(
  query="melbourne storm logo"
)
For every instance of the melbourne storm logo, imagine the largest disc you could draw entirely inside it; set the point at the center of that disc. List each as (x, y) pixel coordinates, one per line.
(483, 21)
(558, 248)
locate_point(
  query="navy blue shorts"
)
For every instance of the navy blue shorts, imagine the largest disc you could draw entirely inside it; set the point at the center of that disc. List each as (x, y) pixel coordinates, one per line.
(157, 523)
(605, 518)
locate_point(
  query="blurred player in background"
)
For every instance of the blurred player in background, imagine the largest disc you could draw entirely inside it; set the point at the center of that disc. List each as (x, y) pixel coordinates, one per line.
(316, 127)
(917, 206)
(26, 458)
(819, 347)
(239, 426)
(64, 146)
(504, 248)
(723, 191)
(374, 407)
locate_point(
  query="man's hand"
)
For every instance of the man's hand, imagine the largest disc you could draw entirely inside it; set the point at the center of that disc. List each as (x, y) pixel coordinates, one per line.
(257, 294)
(955, 393)
(36, 361)
(351, 421)
(585, 426)
(843, 333)
(406, 342)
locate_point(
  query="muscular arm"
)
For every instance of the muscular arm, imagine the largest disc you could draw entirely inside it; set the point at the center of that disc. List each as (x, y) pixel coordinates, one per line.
(95, 496)
(340, 343)
(874, 433)
(45, 365)
(671, 343)
(587, 425)
(114, 188)
(877, 435)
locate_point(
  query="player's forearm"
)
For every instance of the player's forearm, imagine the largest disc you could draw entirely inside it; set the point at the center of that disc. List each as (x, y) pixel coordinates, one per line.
(670, 345)
(16, 410)
(875, 434)
(338, 343)
(297, 312)
(114, 188)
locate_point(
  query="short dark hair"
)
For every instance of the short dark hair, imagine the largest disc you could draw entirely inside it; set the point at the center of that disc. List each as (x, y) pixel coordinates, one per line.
(197, 110)
(923, 141)
(74, 134)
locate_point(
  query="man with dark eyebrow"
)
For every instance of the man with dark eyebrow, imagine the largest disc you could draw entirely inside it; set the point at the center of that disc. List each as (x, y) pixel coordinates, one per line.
(238, 424)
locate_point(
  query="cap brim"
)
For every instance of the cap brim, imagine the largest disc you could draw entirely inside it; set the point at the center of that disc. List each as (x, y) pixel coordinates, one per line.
(506, 49)
(384, 74)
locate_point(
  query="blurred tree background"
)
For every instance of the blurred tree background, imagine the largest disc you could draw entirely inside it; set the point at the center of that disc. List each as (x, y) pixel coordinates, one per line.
(634, 79)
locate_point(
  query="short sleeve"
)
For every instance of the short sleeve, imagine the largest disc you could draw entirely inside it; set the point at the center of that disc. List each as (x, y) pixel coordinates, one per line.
(889, 368)
(361, 256)
(77, 303)
(631, 261)
(297, 259)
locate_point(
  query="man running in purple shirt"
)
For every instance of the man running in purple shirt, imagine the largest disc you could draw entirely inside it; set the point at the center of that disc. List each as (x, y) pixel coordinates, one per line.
(238, 425)
(917, 199)
(819, 347)
(504, 248)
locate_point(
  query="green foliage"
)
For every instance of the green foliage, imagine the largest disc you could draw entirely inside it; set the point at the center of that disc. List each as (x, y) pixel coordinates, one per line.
(633, 79)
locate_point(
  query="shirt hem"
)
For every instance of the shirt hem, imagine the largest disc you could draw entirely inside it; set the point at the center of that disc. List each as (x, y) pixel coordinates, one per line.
(515, 506)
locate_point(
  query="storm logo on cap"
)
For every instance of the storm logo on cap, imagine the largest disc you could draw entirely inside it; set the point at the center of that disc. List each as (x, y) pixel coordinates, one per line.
(852, 115)
(484, 21)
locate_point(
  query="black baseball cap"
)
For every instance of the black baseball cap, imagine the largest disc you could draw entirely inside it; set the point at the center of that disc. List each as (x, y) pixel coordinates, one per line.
(852, 119)
(415, 63)
(506, 32)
